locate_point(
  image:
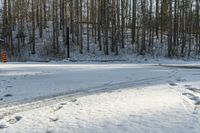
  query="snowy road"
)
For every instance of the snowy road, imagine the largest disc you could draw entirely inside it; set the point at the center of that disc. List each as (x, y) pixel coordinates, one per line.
(31, 81)
(99, 98)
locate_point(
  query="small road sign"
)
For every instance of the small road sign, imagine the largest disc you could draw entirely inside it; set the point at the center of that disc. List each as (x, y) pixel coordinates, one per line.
(4, 57)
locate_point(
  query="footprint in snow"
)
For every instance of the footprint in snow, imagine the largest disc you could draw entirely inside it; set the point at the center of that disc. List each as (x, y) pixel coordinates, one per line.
(56, 108)
(2, 126)
(8, 95)
(172, 84)
(53, 118)
(188, 94)
(197, 102)
(179, 79)
(14, 119)
(193, 89)
(73, 100)
(63, 104)
(192, 97)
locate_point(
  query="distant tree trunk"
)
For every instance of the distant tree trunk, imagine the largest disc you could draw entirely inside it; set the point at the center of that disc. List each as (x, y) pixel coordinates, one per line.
(198, 23)
(184, 16)
(72, 19)
(57, 26)
(190, 25)
(133, 20)
(115, 28)
(81, 27)
(10, 27)
(95, 21)
(88, 30)
(41, 19)
(54, 34)
(143, 45)
(122, 22)
(45, 14)
(33, 27)
(157, 15)
(106, 26)
(150, 24)
(99, 23)
(37, 12)
(77, 24)
(170, 30)
(175, 47)
(161, 22)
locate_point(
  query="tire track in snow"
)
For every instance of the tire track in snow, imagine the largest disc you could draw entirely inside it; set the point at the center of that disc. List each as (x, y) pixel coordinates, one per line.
(17, 107)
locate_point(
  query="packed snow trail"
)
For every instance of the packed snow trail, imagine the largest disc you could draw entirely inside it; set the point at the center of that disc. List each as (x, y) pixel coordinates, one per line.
(99, 98)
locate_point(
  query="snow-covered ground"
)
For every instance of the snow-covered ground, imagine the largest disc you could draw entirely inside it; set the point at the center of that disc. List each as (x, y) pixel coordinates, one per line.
(82, 97)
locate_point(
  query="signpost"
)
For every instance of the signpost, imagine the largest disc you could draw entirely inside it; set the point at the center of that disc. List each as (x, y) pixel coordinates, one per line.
(4, 57)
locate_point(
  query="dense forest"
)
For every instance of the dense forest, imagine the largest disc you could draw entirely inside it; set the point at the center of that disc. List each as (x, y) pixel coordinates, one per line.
(58, 27)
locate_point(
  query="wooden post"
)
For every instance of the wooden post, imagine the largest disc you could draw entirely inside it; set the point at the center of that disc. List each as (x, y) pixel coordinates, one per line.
(67, 41)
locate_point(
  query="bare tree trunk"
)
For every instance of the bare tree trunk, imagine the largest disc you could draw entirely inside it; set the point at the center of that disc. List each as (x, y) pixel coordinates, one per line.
(157, 15)
(81, 28)
(122, 22)
(134, 3)
(143, 43)
(88, 30)
(170, 30)
(33, 27)
(99, 23)
(106, 27)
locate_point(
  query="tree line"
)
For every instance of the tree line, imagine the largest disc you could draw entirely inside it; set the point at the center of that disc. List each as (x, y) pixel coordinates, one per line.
(143, 26)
